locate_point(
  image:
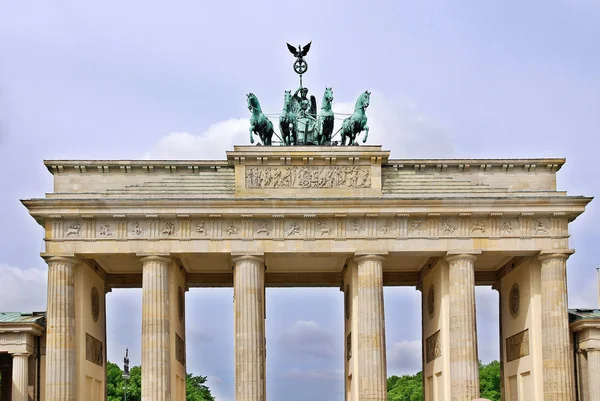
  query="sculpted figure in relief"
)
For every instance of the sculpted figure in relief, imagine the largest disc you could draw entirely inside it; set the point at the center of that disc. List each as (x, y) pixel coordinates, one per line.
(262, 228)
(74, 229)
(232, 229)
(294, 229)
(200, 228)
(105, 230)
(507, 226)
(308, 177)
(416, 227)
(357, 227)
(169, 229)
(448, 226)
(479, 225)
(137, 230)
(387, 227)
(540, 227)
(322, 225)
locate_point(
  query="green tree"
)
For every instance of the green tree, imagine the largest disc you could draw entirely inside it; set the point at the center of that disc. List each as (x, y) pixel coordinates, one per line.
(489, 380)
(196, 387)
(410, 387)
(405, 388)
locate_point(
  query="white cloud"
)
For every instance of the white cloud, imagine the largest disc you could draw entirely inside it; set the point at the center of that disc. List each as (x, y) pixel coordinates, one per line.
(314, 374)
(395, 123)
(308, 338)
(23, 290)
(404, 357)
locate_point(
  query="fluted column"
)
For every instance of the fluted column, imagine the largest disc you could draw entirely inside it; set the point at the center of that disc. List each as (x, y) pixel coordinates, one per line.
(372, 376)
(593, 370)
(556, 353)
(60, 330)
(464, 363)
(156, 351)
(249, 327)
(20, 377)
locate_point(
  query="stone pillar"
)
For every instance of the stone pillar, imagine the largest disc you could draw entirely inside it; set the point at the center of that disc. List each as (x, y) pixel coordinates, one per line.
(464, 363)
(156, 349)
(249, 327)
(60, 330)
(372, 377)
(20, 377)
(556, 345)
(593, 371)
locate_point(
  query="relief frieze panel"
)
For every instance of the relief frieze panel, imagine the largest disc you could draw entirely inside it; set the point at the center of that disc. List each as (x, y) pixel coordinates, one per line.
(260, 177)
(517, 346)
(309, 227)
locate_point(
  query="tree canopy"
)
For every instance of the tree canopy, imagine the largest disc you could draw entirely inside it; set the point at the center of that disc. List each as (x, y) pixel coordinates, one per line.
(410, 387)
(196, 387)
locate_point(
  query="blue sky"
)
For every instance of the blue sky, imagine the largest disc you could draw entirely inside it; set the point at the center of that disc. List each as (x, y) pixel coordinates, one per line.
(154, 79)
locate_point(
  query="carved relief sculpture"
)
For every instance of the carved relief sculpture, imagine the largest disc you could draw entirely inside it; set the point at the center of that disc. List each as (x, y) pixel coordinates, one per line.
(479, 225)
(540, 228)
(169, 229)
(387, 227)
(416, 227)
(323, 229)
(105, 230)
(74, 229)
(433, 348)
(356, 226)
(294, 229)
(95, 304)
(263, 228)
(309, 177)
(507, 226)
(137, 230)
(200, 228)
(514, 300)
(517, 346)
(448, 226)
(232, 229)
(431, 301)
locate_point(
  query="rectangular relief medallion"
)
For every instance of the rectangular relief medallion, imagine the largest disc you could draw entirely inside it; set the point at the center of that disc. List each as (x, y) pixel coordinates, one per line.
(433, 347)
(259, 177)
(93, 350)
(179, 349)
(517, 346)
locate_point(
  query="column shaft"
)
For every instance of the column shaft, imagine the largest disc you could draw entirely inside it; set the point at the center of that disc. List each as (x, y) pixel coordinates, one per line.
(556, 352)
(371, 330)
(464, 363)
(593, 371)
(60, 330)
(249, 327)
(20, 377)
(156, 351)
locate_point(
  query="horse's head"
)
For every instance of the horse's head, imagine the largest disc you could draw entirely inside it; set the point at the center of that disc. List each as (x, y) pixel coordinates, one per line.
(287, 98)
(363, 100)
(328, 96)
(253, 103)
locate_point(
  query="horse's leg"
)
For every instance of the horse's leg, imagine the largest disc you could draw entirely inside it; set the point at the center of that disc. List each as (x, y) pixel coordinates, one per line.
(251, 137)
(366, 134)
(284, 134)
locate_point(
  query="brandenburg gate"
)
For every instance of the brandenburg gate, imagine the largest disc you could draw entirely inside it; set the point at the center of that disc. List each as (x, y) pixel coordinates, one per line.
(348, 217)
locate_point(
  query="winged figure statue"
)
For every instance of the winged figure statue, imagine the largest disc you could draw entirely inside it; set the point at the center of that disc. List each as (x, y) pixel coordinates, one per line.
(300, 52)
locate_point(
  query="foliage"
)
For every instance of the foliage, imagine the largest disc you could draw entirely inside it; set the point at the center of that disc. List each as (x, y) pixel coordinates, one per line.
(410, 388)
(489, 380)
(405, 388)
(195, 385)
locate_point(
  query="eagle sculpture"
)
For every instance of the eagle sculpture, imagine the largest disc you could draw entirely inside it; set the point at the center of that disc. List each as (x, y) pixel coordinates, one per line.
(300, 51)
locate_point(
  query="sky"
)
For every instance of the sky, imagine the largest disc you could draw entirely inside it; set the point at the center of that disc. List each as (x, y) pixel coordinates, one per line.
(148, 79)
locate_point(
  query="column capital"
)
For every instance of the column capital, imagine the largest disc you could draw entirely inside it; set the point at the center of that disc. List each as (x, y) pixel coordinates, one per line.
(241, 257)
(375, 256)
(51, 258)
(163, 258)
(468, 255)
(26, 354)
(555, 254)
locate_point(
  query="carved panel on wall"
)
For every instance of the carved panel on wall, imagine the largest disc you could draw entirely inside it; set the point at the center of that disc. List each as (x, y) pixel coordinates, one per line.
(94, 351)
(517, 346)
(180, 303)
(95, 303)
(514, 300)
(179, 349)
(433, 347)
(309, 177)
(347, 302)
(349, 346)
(431, 301)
